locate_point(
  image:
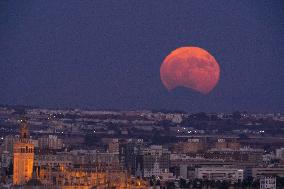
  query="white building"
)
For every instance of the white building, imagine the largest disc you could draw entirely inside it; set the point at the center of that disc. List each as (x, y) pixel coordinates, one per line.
(113, 146)
(280, 153)
(219, 173)
(156, 161)
(267, 171)
(50, 142)
(52, 160)
(267, 183)
(5, 159)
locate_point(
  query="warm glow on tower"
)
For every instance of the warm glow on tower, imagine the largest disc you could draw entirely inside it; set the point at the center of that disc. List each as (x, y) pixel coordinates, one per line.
(23, 157)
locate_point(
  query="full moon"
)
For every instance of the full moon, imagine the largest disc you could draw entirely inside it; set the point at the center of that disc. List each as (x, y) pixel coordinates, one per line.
(190, 67)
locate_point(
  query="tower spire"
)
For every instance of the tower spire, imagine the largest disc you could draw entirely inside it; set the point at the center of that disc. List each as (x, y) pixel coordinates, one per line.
(24, 130)
(23, 156)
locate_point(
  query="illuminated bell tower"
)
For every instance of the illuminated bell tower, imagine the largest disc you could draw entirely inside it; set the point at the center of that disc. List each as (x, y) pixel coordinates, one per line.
(23, 156)
(24, 131)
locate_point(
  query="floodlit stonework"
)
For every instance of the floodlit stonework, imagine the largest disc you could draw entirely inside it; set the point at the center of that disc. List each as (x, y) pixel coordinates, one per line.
(23, 157)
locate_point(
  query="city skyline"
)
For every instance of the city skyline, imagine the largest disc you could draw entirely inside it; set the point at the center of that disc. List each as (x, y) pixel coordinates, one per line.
(136, 94)
(67, 148)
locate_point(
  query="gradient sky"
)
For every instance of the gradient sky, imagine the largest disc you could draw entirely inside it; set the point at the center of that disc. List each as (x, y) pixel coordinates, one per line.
(107, 54)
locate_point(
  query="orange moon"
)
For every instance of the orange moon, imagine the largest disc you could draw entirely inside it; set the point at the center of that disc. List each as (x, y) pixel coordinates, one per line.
(190, 67)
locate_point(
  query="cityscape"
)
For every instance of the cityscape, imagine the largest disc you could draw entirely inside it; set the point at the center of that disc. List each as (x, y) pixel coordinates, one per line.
(74, 148)
(132, 94)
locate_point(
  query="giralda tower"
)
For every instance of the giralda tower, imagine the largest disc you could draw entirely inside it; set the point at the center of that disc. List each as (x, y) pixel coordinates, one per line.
(23, 156)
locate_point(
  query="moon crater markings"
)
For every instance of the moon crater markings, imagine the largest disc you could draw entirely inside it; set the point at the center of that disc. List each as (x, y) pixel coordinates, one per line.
(190, 67)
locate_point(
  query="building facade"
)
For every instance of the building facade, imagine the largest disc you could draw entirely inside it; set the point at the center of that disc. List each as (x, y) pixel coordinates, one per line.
(51, 142)
(156, 161)
(267, 183)
(23, 157)
(219, 173)
(258, 172)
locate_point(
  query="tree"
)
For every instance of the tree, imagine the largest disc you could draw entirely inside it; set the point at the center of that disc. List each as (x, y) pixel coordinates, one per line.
(197, 183)
(182, 183)
(91, 139)
(171, 185)
(255, 183)
(212, 183)
(154, 181)
(247, 182)
(206, 183)
(202, 116)
(237, 115)
(10, 169)
(280, 182)
(243, 136)
(224, 185)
